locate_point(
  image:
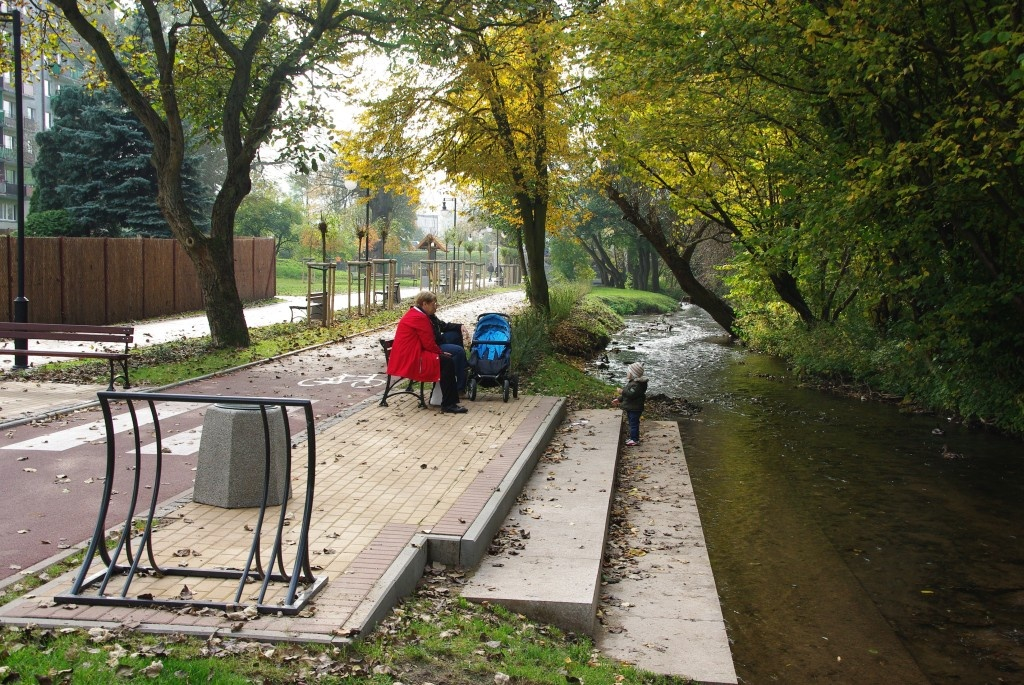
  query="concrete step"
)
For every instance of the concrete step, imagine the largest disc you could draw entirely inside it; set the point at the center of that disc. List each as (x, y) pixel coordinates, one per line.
(666, 616)
(546, 560)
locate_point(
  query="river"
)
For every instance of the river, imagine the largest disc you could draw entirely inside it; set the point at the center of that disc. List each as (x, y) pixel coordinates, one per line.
(851, 542)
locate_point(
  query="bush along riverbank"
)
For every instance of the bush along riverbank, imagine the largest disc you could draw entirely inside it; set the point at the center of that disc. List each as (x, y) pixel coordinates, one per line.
(555, 355)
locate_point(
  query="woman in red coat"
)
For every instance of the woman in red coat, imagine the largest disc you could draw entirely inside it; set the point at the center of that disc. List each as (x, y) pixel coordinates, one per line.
(415, 354)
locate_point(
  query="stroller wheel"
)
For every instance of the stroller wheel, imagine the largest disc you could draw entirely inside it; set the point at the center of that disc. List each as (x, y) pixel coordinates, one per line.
(504, 394)
(472, 389)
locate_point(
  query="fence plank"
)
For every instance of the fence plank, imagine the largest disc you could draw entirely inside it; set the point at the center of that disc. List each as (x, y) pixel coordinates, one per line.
(9, 283)
(114, 280)
(157, 278)
(125, 284)
(188, 296)
(43, 279)
(82, 265)
(243, 268)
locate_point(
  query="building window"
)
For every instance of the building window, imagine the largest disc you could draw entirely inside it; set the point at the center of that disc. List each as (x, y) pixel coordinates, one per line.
(30, 113)
(8, 211)
(47, 121)
(8, 142)
(46, 88)
(8, 109)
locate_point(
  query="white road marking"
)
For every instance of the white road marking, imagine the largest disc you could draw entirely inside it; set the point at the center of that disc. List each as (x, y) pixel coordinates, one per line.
(94, 434)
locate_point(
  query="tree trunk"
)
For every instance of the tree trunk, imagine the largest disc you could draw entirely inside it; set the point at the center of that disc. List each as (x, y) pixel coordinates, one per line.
(655, 276)
(787, 288)
(213, 256)
(678, 261)
(533, 212)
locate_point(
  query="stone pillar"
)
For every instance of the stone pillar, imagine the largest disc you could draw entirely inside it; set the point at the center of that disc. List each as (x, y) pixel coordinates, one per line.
(232, 453)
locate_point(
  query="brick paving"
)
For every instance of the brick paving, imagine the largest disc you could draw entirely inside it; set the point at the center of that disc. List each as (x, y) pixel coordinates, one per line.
(384, 475)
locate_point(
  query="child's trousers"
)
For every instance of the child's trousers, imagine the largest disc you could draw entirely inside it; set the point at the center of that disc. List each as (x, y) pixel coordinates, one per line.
(634, 425)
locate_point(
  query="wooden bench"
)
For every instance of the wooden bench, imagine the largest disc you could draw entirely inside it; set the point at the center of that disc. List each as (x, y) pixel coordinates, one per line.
(313, 308)
(389, 389)
(109, 335)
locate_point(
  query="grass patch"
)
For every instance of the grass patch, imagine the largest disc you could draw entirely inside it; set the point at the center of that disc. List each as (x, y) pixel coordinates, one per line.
(624, 302)
(563, 376)
(435, 636)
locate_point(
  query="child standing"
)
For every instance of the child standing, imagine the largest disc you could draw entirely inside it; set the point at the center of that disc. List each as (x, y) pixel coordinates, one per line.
(631, 399)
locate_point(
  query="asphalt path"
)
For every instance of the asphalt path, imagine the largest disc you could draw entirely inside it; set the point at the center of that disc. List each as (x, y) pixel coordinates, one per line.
(52, 471)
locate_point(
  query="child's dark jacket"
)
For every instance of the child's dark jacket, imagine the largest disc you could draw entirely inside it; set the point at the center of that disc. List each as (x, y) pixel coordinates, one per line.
(633, 395)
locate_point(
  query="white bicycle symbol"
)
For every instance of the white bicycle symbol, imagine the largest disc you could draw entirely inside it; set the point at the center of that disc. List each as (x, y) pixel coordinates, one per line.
(354, 380)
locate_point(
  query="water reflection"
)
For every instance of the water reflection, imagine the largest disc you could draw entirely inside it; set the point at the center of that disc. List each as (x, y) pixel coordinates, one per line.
(851, 542)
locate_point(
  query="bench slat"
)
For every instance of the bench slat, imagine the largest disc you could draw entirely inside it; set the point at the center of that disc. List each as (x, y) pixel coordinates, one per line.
(104, 335)
(66, 353)
(56, 335)
(12, 326)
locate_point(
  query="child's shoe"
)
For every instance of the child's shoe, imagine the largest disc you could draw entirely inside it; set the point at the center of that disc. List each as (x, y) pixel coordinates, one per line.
(632, 443)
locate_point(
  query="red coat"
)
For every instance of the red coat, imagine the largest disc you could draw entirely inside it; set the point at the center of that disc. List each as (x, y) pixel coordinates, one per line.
(415, 354)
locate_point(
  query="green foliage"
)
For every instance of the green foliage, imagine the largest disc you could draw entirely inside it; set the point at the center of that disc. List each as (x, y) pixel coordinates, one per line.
(530, 339)
(263, 213)
(95, 163)
(564, 297)
(587, 331)
(569, 259)
(290, 269)
(52, 223)
(864, 160)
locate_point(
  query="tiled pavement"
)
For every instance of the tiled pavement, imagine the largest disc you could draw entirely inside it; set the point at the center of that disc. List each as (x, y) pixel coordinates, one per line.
(392, 483)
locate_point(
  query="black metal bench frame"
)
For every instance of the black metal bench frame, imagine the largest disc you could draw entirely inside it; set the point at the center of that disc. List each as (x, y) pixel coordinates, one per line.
(110, 335)
(100, 588)
(394, 381)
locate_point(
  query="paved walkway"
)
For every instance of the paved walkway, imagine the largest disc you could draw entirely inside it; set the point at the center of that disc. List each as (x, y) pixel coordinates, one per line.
(396, 487)
(388, 481)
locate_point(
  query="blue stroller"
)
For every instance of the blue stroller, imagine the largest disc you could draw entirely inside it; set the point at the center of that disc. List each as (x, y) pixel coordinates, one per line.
(490, 356)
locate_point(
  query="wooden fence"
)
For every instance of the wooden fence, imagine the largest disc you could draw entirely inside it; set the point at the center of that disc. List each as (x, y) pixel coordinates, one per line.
(116, 280)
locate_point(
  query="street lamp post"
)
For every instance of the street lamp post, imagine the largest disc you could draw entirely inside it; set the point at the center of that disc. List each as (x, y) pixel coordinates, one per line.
(498, 256)
(455, 235)
(455, 219)
(20, 302)
(367, 225)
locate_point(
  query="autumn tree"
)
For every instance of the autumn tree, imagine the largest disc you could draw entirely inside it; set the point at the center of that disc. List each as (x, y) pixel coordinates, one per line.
(863, 159)
(483, 102)
(231, 72)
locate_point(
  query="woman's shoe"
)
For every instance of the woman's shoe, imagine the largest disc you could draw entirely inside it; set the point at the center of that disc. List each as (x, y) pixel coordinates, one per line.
(454, 409)
(632, 443)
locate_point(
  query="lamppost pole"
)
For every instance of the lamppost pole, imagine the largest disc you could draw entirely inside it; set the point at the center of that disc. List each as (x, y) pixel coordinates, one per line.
(497, 255)
(455, 220)
(20, 302)
(367, 224)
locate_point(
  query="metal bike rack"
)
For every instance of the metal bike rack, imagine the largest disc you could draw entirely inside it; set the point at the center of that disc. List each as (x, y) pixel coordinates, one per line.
(111, 584)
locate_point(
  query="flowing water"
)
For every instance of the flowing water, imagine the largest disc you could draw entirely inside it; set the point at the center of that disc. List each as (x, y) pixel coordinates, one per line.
(851, 542)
